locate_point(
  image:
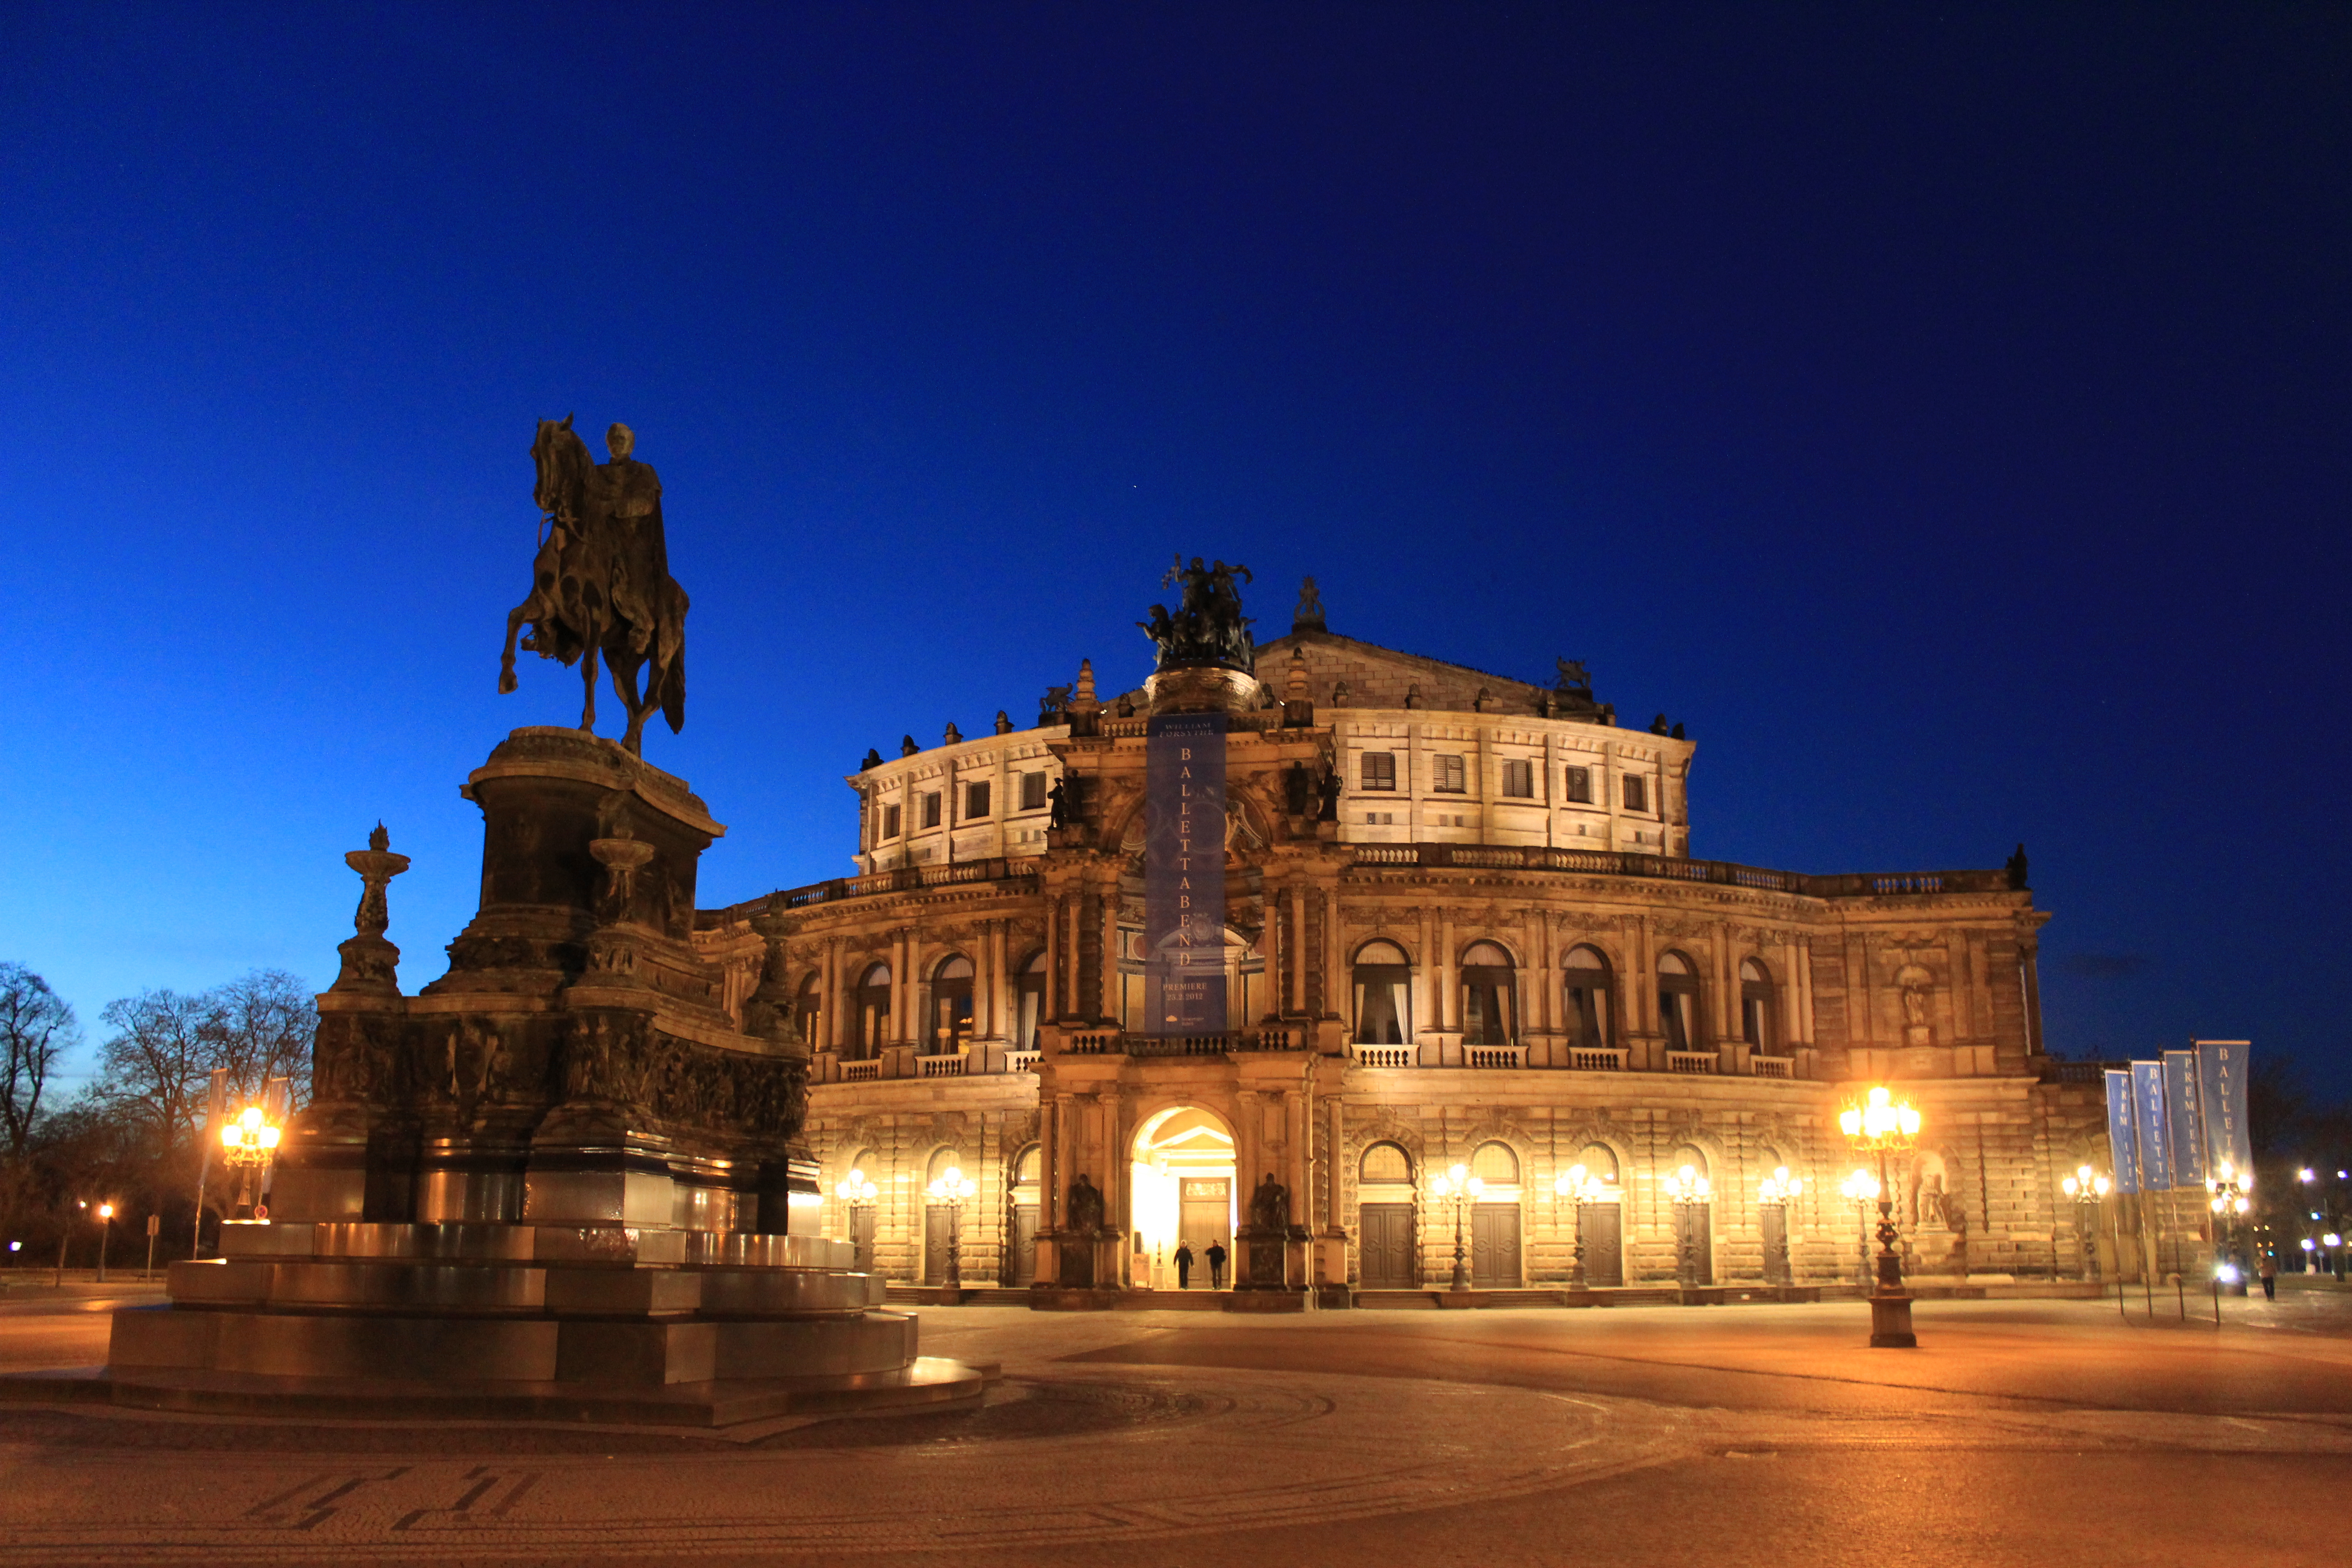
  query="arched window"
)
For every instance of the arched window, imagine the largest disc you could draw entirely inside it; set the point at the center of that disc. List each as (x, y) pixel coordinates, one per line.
(1589, 1012)
(1383, 995)
(808, 1012)
(1756, 1006)
(871, 1010)
(867, 1162)
(1689, 1154)
(1489, 996)
(1385, 1164)
(1029, 1002)
(1495, 1165)
(1025, 1166)
(1678, 1002)
(950, 1007)
(941, 1161)
(1599, 1160)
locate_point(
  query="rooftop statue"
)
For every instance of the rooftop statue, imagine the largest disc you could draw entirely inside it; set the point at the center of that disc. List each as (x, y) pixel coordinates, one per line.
(1208, 626)
(601, 582)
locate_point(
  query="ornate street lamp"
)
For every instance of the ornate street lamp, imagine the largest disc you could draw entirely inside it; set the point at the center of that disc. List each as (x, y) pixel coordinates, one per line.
(1580, 1186)
(246, 1144)
(2086, 1187)
(1861, 1190)
(1688, 1190)
(2226, 1197)
(857, 1190)
(1775, 1192)
(953, 1189)
(1878, 1123)
(1462, 1187)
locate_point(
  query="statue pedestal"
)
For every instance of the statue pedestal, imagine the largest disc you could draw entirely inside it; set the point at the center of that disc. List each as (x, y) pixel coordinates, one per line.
(562, 1178)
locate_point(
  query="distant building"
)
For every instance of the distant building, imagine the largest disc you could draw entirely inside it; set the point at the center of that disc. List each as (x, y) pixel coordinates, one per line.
(1498, 955)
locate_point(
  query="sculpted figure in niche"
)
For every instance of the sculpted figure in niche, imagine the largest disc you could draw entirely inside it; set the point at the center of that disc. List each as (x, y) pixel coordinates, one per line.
(1914, 981)
(1085, 1206)
(1270, 1205)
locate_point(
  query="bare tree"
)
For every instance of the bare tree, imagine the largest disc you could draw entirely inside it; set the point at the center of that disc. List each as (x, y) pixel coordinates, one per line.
(264, 1024)
(36, 1027)
(153, 1069)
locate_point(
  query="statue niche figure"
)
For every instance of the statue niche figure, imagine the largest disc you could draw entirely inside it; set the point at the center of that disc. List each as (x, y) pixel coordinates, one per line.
(601, 582)
(1207, 627)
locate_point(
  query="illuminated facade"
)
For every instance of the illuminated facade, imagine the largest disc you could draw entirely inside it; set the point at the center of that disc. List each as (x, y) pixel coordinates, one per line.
(1463, 927)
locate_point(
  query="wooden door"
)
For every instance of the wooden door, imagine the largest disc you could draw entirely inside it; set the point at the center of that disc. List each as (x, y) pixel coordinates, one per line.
(935, 1244)
(1775, 1217)
(861, 1236)
(1494, 1246)
(1696, 1228)
(1604, 1244)
(1024, 1243)
(1387, 1261)
(1206, 1217)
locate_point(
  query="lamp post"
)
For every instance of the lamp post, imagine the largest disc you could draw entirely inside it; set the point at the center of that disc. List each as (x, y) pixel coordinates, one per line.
(857, 1192)
(1877, 1123)
(1580, 1186)
(953, 1189)
(1688, 1190)
(1462, 1187)
(2086, 1187)
(1775, 1193)
(105, 1228)
(246, 1143)
(1861, 1189)
(2226, 1197)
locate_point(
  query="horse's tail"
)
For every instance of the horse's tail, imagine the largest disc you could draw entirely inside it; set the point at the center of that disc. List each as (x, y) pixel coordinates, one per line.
(673, 696)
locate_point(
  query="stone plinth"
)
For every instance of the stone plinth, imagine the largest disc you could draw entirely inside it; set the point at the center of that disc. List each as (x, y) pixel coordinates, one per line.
(563, 1171)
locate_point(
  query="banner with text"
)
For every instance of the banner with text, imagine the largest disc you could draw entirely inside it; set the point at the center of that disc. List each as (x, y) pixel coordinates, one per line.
(2221, 1083)
(2121, 1144)
(1185, 875)
(2183, 1117)
(2148, 1120)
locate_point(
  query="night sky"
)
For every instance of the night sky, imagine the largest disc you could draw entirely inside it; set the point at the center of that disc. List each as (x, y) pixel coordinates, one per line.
(1943, 414)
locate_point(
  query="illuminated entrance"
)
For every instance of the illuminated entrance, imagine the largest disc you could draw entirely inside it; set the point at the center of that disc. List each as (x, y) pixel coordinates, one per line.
(1183, 1187)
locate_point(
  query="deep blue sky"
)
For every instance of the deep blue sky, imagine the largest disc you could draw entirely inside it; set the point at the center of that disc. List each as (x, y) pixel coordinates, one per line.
(1945, 415)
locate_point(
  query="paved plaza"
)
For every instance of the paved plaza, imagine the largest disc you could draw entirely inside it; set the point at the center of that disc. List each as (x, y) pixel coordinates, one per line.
(2020, 1431)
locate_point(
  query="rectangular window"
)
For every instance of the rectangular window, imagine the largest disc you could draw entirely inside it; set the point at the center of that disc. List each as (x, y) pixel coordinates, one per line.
(1452, 777)
(1033, 792)
(889, 821)
(1579, 785)
(1637, 793)
(931, 809)
(1379, 770)
(1520, 780)
(975, 802)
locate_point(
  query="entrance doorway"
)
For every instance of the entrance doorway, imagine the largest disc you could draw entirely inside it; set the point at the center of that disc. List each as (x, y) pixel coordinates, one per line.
(1182, 1181)
(1604, 1244)
(1022, 1252)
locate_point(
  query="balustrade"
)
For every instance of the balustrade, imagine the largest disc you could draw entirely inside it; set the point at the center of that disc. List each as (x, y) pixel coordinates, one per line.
(1691, 1061)
(1383, 1056)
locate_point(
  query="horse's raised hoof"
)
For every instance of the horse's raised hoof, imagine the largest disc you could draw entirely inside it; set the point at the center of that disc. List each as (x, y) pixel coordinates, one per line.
(505, 682)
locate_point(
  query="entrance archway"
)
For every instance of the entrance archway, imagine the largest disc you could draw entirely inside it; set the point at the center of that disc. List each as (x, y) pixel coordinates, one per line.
(1183, 1182)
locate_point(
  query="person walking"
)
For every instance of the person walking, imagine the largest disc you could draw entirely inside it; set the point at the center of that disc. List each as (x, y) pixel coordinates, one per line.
(1216, 1266)
(2268, 1274)
(1183, 1266)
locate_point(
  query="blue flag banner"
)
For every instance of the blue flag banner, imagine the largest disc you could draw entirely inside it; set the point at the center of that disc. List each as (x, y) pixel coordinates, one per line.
(2185, 1119)
(1185, 875)
(2121, 1144)
(2221, 1082)
(2148, 1120)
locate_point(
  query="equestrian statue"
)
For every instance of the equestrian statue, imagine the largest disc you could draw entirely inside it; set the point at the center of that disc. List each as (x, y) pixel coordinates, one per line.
(601, 582)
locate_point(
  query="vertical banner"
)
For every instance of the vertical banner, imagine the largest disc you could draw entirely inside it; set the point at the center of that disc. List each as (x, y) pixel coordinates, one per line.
(2149, 1122)
(2121, 1144)
(2221, 1080)
(2185, 1119)
(1185, 875)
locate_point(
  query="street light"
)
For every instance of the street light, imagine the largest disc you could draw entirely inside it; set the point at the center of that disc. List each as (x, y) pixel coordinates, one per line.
(1878, 1123)
(1775, 1192)
(1580, 1186)
(858, 1192)
(2086, 1187)
(246, 1143)
(2226, 1197)
(105, 1228)
(1688, 1190)
(1461, 1186)
(953, 1189)
(1861, 1190)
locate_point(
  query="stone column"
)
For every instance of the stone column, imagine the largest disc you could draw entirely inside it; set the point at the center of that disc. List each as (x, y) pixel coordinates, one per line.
(1336, 988)
(835, 1004)
(1112, 1010)
(1294, 900)
(1051, 1003)
(998, 1025)
(1277, 952)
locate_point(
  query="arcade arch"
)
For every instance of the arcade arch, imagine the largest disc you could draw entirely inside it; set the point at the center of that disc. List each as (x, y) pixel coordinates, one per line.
(1182, 1183)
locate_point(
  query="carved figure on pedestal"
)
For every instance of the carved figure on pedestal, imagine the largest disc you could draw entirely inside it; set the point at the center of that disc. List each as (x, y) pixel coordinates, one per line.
(1270, 1205)
(1085, 1211)
(601, 582)
(371, 962)
(1208, 626)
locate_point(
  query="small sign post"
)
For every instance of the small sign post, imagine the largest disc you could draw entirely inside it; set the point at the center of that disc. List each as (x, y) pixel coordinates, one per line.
(154, 1229)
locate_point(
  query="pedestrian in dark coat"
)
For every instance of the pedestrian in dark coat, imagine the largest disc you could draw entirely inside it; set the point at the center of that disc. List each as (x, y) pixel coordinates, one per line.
(1183, 1266)
(1216, 1266)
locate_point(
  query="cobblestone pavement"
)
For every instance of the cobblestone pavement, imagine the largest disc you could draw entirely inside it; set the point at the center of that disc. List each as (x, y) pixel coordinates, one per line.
(2020, 1431)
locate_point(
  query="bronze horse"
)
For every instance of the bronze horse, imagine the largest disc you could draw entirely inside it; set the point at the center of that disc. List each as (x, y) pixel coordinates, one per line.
(601, 582)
